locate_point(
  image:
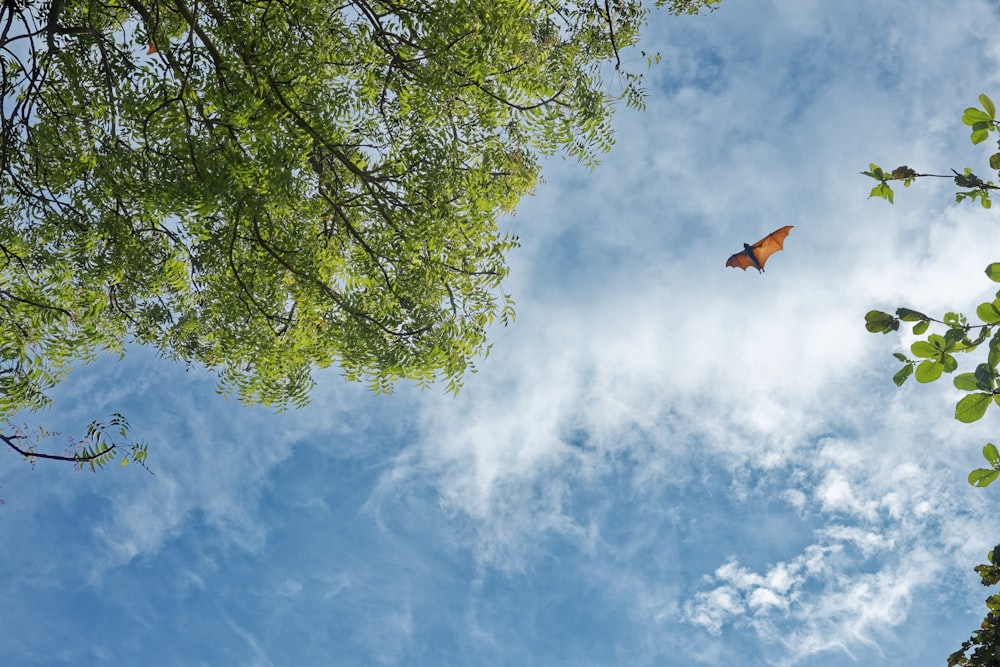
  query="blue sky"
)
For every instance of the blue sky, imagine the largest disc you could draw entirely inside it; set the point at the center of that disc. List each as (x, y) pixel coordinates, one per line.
(662, 462)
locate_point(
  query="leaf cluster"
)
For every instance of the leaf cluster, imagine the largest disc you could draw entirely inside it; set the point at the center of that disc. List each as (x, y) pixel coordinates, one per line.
(935, 355)
(102, 445)
(982, 121)
(984, 643)
(678, 7)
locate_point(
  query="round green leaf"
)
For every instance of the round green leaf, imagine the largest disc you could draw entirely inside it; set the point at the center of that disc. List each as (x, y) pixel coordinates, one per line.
(972, 407)
(922, 348)
(993, 272)
(990, 454)
(878, 322)
(928, 371)
(983, 477)
(988, 312)
(966, 382)
(920, 327)
(972, 116)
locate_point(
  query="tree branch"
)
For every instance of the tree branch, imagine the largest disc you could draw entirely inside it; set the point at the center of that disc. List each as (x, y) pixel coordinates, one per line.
(611, 29)
(28, 454)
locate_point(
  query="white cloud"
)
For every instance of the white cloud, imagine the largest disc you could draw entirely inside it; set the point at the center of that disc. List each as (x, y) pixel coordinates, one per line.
(762, 599)
(869, 543)
(713, 608)
(859, 610)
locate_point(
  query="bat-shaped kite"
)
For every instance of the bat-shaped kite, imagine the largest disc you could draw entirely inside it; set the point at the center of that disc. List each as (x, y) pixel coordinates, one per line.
(756, 255)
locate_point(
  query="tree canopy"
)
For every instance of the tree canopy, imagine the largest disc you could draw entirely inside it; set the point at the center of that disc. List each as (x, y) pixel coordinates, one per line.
(267, 187)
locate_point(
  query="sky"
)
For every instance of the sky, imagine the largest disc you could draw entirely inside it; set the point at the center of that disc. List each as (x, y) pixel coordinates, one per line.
(663, 461)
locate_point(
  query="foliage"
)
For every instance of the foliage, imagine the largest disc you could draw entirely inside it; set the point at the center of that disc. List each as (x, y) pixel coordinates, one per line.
(267, 188)
(985, 642)
(985, 476)
(936, 352)
(93, 451)
(982, 121)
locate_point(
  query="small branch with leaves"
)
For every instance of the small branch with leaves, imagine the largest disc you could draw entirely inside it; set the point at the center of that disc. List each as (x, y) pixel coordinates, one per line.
(935, 356)
(95, 450)
(982, 121)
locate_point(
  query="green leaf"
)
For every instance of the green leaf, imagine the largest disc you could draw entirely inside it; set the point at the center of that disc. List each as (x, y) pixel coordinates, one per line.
(920, 327)
(882, 190)
(955, 320)
(953, 337)
(934, 347)
(908, 315)
(985, 377)
(989, 312)
(980, 135)
(972, 116)
(991, 455)
(878, 322)
(988, 106)
(949, 363)
(966, 382)
(993, 358)
(972, 407)
(993, 272)
(993, 602)
(983, 477)
(900, 377)
(928, 371)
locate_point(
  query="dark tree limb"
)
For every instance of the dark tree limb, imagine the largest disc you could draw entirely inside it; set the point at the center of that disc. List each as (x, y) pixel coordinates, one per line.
(76, 458)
